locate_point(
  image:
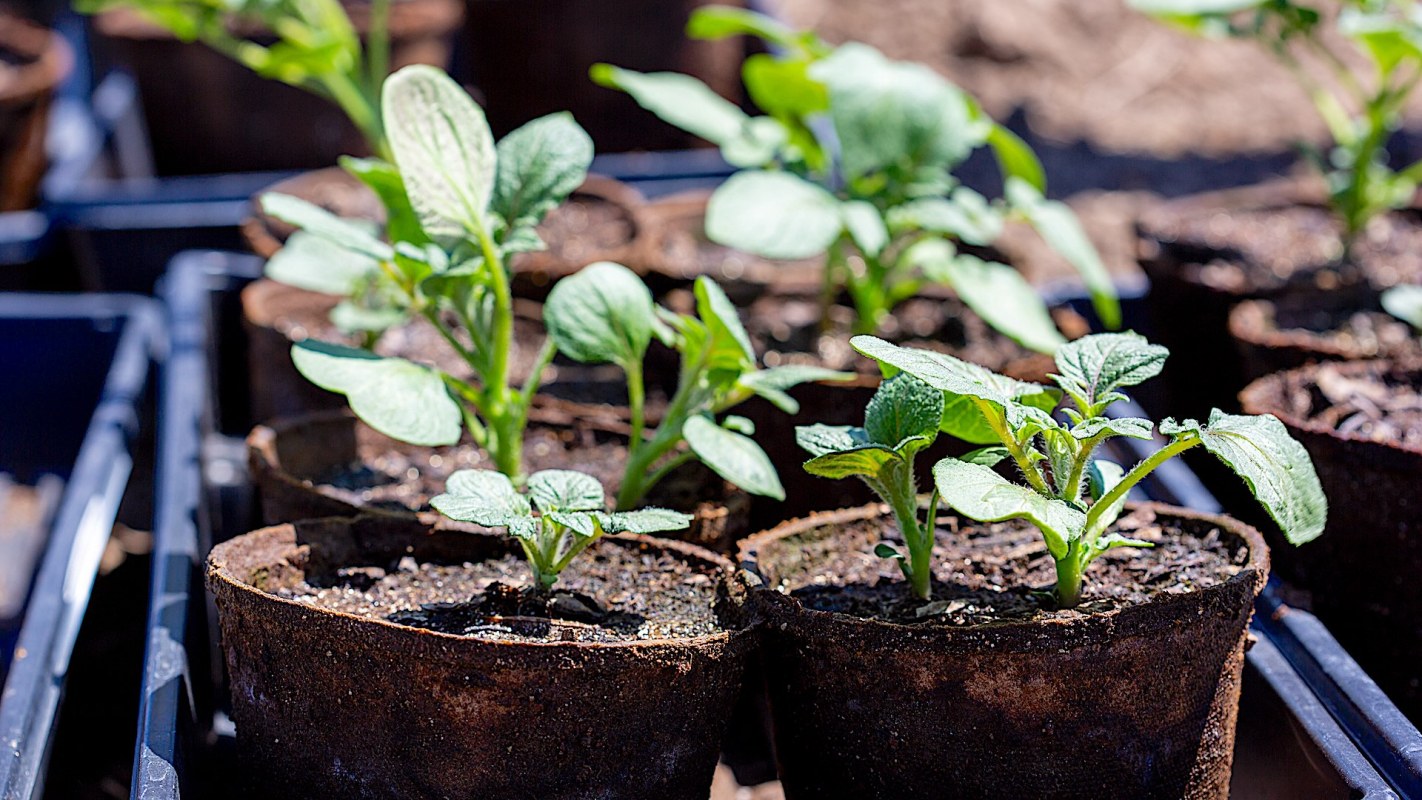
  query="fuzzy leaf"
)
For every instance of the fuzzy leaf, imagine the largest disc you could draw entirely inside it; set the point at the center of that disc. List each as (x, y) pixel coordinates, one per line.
(317, 264)
(443, 147)
(730, 344)
(401, 399)
(602, 313)
(645, 520)
(733, 456)
(539, 165)
(1099, 364)
(319, 222)
(966, 216)
(866, 460)
(976, 492)
(481, 496)
(986, 456)
(903, 407)
(1274, 466)
(1000, 295)
(350, 317)
(565, 490)
(818, 440)
(1405, 303)
(773, 214)
(1126, 426)
(401, 222)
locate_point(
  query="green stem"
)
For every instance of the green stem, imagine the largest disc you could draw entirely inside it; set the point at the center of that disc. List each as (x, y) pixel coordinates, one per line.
(636, 400)
(999, 427)
(535, 378)
(362, 111)
(377, 48)
(1069, 571)
(903, 499)
(1130, 479)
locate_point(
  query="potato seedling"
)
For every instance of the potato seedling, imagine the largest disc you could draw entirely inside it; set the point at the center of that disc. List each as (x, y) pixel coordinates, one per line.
(461, 206)
(604, 314)
(562, 514)
(316, 48)
(1067, 493)
(886, 213)
(1319, 43)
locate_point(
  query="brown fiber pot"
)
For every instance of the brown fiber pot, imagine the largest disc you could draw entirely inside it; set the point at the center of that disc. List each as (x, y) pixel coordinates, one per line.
(331, 705)
(39, 60)
(206, 114)
(285, 457)
(603, 220)
(1273, 336)
(1362, 573)
(1134, 704)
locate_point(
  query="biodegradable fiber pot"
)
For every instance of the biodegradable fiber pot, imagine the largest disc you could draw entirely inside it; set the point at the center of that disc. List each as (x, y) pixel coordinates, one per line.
(297, 463)
(1133, 703)
(1274, 336)
(1362, 572)
(253, 123)
(37, 61)
(331, 704)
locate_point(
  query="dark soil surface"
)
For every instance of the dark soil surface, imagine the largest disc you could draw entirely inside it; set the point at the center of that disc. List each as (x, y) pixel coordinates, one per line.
(1088, 69)
(609, 594)
(584, 226)
(1381, 406)
(395, 480)
(1264, 249)
(986, 574)
(788, 330)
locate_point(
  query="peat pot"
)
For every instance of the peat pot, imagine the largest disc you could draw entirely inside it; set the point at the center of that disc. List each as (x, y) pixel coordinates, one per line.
(36, 60)
(1276, 241)
(331, 464)
(985, 694)
(398, 700)
(1362, 426)
(1273, 336)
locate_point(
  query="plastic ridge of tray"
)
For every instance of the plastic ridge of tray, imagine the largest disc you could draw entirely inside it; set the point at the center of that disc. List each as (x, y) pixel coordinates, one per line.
(33, 689)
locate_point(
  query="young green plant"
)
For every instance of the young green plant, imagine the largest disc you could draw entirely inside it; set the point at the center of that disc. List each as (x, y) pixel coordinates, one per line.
(563, 513)
(317, 48)
(1321, 44)
(461, 206)
(603, 314)
(887, 215)
(1063, 489)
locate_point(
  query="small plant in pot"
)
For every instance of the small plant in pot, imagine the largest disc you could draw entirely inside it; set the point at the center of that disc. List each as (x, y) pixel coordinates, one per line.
(570, 641)
(1309, 258)
(1361, 423)
(852, 162)
(1035, 627)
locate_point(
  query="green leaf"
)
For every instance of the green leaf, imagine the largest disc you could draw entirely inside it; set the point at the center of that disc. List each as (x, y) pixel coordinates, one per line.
(317, 264)
(735, 457)
(976, 492)
(719, 22)
(773, 214)
(1126, 426)
(866, 460)
(953, 375)
(401, 222)
(730, 345)
(772, 383)
(1062, 231)
(1001, 296)
(402, 400)
(565, 490)
(482, 496)
(582, 523)
(865, 226)
(1405, 303)
(691, 105)
(986, 456)
(1096, 366)
(1390, 38)
(739, 424)
(886, 550)
(1015, 158)
(349, 317)
(965, 215)
(1101, 477)
(818, 440)
(1274, 466)
(443, 147)
(645, 520)
(780, 86)
(894, 114)
(1183, 7)
(903, 407)
(539, 165)
(321, 223)
(602, 313)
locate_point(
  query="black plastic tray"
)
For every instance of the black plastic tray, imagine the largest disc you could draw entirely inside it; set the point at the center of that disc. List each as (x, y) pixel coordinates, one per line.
(1291, 743)
(76, 370)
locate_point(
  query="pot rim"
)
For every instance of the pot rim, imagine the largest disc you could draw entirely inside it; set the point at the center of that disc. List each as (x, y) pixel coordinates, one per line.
(1255, 400)
(216, 572)
(1248, 322)
(1027, 633)
(51, 65)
